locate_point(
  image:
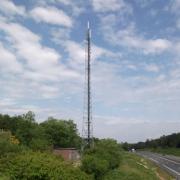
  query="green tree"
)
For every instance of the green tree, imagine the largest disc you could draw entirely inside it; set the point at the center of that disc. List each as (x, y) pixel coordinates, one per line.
(29, 116)
(26, 130)
(61, 133)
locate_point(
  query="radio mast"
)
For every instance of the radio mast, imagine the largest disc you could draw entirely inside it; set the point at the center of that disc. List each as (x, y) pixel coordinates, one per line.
(87, 131)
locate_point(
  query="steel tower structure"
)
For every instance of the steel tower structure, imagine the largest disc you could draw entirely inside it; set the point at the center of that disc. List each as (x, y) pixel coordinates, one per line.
(87, 131)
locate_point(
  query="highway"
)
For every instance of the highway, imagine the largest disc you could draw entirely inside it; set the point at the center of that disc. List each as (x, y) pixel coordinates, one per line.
(169, 163)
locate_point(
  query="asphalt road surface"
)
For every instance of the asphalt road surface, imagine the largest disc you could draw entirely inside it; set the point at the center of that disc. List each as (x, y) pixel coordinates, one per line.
(169, 163)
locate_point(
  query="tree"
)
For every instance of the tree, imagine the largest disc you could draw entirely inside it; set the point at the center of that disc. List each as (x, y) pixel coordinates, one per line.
(61, 133)
(28, 132)
(29, 116)
(125, 146)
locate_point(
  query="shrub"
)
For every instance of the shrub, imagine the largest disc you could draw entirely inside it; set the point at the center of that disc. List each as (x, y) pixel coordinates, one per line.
(8, 143)
(105, 156)
(95, 166)
(41, 166)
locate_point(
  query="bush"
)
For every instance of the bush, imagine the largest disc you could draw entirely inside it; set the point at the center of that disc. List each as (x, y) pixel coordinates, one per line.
(41, 166)
(8, 143)
(39, 144)
(95, 166)
(105, 156)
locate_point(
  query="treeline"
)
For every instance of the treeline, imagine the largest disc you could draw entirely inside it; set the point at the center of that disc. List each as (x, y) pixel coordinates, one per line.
(169, 141)
(48, 134)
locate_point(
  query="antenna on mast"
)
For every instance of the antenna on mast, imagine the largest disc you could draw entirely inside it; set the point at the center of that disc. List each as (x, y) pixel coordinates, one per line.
(87, 130)
(88, 25)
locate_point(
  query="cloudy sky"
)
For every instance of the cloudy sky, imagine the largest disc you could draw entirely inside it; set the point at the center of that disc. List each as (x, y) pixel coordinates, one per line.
(135, 63)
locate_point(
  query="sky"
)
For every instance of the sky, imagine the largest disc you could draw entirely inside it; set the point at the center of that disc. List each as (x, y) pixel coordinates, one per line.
(135, 63)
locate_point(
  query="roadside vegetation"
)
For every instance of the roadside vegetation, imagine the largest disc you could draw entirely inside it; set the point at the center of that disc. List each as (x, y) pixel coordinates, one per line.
(133, 167)
(168, 151)
(166, 145)
(26, 153)
(39, 166)
(102, 159)
(109, 162)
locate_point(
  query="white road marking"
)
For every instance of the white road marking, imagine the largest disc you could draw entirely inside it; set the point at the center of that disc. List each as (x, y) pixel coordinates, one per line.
(169, 160)
(172, 170)
(154, 160)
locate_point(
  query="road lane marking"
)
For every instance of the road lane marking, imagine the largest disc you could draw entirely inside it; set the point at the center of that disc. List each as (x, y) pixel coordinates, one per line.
(168, 160)
(154, 160)
(172, 170)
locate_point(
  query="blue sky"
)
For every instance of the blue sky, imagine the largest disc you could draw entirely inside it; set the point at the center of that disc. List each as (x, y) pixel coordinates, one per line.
(135, 63)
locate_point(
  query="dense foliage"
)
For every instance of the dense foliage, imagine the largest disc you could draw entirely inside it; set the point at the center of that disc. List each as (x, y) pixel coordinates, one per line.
(40, 166)
(25, 148)
(25, 152)
(36, 136)
(104, 157)
(8, 144)
(170, 141)
(61, 133)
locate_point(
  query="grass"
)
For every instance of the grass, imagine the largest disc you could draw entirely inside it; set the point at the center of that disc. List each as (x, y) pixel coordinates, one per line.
(134, 167)
(169, 151)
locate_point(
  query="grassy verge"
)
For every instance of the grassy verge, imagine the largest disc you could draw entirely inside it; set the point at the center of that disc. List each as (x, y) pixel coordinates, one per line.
(169, 151)
(134, 167)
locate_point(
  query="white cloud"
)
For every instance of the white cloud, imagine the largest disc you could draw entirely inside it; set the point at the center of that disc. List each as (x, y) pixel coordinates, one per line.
(75, 8)
(152, 68)
(8, 61)
(132, 130)
(51, 15)
(121, 120)
(76, 53)
(9, 8)
(147, 46)
(15, 109)
(144, 3)
(44, 77)
(119, 88)
(100, 53)
(36, 71)
(131, 66)
(111, 6)
(28, 46)
(175, 6)
(128, 37)
(6, 102)
(43, 61)
(59, 35)
(49, 91)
